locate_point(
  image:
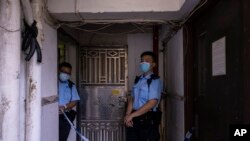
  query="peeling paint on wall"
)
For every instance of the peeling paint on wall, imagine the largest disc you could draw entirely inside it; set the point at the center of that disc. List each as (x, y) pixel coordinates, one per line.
(31, 97)
(4, 106)
(32, 91)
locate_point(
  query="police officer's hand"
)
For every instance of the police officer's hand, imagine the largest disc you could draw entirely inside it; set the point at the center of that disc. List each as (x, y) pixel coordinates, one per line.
(128, 120)
(61, 108)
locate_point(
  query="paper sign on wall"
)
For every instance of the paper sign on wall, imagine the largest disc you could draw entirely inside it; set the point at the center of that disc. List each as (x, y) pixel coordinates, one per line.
(219, 57)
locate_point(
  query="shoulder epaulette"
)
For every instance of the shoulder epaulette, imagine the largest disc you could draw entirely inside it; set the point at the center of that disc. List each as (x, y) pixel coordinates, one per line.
(152, 77)
(71, 84)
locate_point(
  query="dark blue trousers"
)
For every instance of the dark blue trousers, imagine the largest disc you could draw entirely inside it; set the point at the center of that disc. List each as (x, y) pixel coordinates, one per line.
(143, 132)
(64, 128)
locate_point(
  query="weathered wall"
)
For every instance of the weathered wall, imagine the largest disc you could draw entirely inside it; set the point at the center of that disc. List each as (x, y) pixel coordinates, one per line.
(49, 84)
(175, 88)
(9, 70)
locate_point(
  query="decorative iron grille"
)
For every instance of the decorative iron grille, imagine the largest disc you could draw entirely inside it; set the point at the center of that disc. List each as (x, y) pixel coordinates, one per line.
(103, 130)
(103, 66)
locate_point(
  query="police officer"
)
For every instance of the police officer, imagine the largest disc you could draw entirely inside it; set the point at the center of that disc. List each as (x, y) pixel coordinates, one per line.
(142, 118)
(68, 97)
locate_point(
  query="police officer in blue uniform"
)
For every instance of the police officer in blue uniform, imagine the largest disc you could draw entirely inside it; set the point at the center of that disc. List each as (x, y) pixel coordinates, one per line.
(68, 97)
(142, 115)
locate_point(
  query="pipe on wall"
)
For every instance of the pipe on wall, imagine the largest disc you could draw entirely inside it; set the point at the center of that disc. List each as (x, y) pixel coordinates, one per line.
(10, 43)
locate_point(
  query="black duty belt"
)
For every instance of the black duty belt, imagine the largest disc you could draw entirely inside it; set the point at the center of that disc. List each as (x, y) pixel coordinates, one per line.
(149, 117)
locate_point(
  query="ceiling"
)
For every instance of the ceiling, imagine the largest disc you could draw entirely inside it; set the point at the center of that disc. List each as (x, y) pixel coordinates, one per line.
(116, 23)
(72, 14)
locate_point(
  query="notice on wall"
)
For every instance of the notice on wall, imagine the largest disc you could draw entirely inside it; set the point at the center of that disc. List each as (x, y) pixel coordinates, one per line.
(219, 57)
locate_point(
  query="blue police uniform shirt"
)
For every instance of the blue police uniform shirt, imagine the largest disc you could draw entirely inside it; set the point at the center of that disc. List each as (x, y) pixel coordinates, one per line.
(67, 94)
(142, 93)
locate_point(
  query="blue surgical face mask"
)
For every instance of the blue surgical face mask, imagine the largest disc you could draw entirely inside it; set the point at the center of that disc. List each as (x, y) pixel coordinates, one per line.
(145, 66)
(64, 76)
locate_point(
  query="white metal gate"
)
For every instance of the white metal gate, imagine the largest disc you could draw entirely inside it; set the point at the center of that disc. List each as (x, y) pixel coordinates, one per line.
(103, 77)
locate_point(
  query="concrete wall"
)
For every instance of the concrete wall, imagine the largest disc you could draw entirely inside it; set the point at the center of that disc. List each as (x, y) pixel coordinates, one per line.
(49, 84)
(95, 6)
(71, 57)
(142, 10)
(175, 88)
(128, 5)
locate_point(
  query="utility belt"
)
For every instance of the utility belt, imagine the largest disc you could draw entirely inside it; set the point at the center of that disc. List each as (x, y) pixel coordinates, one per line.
(151, 117)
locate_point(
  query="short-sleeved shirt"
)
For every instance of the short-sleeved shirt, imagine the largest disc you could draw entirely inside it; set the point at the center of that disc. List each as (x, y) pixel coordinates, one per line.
(142, 93)
(67, 94)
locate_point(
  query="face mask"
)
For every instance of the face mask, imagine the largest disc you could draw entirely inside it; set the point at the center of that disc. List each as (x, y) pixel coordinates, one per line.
(145, 66)
(64, 76)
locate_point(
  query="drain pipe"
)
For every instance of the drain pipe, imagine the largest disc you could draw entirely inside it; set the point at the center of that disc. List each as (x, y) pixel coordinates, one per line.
(33, 97)
(10, 43)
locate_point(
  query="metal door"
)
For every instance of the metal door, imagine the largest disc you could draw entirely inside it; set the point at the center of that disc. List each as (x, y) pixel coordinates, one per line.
(103, 74)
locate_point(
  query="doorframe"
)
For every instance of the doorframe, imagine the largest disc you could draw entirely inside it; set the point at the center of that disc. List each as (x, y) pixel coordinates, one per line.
(106, 46)
(189, 62)
(246, 60)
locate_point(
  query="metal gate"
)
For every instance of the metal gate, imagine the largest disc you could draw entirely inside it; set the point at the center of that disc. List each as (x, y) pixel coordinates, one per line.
(103, 77)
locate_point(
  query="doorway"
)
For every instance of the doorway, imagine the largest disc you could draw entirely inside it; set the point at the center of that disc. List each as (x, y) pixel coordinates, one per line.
(102, 88)
(218, 85)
